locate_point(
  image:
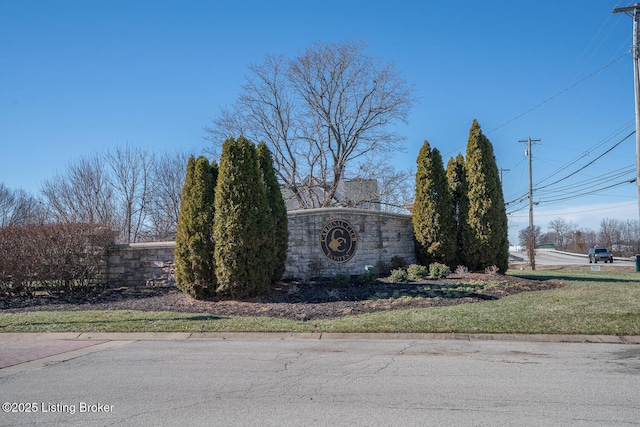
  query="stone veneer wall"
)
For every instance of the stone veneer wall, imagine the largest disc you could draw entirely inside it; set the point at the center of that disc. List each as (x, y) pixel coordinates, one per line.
(142, 264)
(380, 237)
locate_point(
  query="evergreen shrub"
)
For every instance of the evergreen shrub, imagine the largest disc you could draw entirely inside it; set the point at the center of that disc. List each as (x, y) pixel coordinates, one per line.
(194, 261)
(398, 275)
(243, 227)
(486, 241)
(369, 277)
(341, 281)
(433, 215)
(398, 262)
(278, 211)
(417, 272)
(438, 270)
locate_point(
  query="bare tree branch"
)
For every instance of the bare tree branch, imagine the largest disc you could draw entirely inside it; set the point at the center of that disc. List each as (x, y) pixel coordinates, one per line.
(84, 194)
(168, 179)
(17, 207)
(319, 113)
(131, 169)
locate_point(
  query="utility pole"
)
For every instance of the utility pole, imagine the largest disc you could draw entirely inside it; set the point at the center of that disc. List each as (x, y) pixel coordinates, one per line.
(634, 12)
(532, 234)
(502, 170)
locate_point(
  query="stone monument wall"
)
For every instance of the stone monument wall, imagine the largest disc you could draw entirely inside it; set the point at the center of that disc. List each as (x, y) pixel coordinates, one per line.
(379, 236)
(141, 264)
(322, 243)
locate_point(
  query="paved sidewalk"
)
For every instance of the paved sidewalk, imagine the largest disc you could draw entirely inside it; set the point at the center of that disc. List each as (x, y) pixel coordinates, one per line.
(17, 352)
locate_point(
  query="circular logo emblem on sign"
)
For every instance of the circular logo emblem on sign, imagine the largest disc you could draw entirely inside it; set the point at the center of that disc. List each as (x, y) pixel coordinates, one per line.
(338, 240)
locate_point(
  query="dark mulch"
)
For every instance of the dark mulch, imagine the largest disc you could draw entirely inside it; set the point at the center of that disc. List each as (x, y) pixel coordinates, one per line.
(291, 299)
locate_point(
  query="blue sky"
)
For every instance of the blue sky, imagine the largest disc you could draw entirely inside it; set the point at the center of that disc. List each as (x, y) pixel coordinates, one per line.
(78, 77)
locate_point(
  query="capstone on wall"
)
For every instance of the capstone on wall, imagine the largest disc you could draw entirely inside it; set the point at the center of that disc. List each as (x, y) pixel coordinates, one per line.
(322, 243)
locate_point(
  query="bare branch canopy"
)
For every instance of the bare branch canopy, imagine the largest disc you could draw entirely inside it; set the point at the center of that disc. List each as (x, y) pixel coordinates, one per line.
(329, 108)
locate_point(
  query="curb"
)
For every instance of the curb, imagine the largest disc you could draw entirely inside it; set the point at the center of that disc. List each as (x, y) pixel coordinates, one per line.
(228, 336)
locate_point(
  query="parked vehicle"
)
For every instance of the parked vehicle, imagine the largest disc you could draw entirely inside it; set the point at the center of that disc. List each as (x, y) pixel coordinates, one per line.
(600, 254)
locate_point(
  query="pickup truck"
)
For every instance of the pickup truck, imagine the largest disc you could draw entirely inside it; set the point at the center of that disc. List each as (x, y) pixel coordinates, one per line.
(600, 254)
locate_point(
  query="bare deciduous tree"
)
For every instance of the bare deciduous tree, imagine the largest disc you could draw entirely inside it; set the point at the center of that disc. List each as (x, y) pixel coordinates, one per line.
(630, 235)
(131, 171)
(610, 232)
(588, 238)
(168, 180)
(83, 194)
(319, 113)
(17, 207)
(524, 238)
(128, 189)
(563, 230)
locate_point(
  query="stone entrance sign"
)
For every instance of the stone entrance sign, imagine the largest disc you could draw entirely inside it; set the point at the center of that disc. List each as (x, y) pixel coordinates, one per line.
(338, 240)
(328, 241)
(322, 243)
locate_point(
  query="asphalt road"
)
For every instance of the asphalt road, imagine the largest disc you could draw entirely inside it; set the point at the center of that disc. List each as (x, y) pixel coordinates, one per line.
(327, 382)
(557, 258)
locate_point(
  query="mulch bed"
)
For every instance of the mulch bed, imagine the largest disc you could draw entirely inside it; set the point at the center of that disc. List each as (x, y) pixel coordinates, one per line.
(293, 300)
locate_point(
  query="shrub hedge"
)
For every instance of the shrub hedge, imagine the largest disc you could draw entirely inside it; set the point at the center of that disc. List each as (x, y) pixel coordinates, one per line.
(53, 258)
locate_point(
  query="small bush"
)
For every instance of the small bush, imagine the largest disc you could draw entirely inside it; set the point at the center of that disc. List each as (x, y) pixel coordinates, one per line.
(369, 277)
(398, 276)
(439, 271)
(382, 268)
(340, 280)
(461, 270)
(492, 270)
(417, 272)
(398, 262)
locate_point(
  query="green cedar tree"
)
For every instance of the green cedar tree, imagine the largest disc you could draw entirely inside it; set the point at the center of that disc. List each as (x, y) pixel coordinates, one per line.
(487, 243)
(194, 262)
(243, 226)
(460, 202)
(433, 217)
(278, 210)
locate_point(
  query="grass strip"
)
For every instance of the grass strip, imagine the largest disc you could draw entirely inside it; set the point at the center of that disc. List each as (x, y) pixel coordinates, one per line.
(598, 303)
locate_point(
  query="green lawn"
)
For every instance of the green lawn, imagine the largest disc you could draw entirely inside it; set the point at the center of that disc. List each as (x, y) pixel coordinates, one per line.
(605, 302)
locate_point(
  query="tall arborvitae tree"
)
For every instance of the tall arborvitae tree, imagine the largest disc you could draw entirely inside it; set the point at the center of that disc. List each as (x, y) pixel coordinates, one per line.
(182, 253)
(433, 218)
(488, 242)
(243, 226)
(194, 262)
(278, 210)
(460, 202)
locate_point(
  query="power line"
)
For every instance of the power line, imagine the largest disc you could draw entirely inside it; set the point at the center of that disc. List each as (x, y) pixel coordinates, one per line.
(577, 195)
(556, 95)
(588, 164)
(551, 98)
(522, 196)
(562, 199)
(588, 182)
(588, 151)
(617, 206)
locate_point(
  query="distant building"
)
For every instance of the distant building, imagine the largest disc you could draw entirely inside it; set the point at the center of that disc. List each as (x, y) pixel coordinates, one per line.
(352, 193)
(409, 207)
